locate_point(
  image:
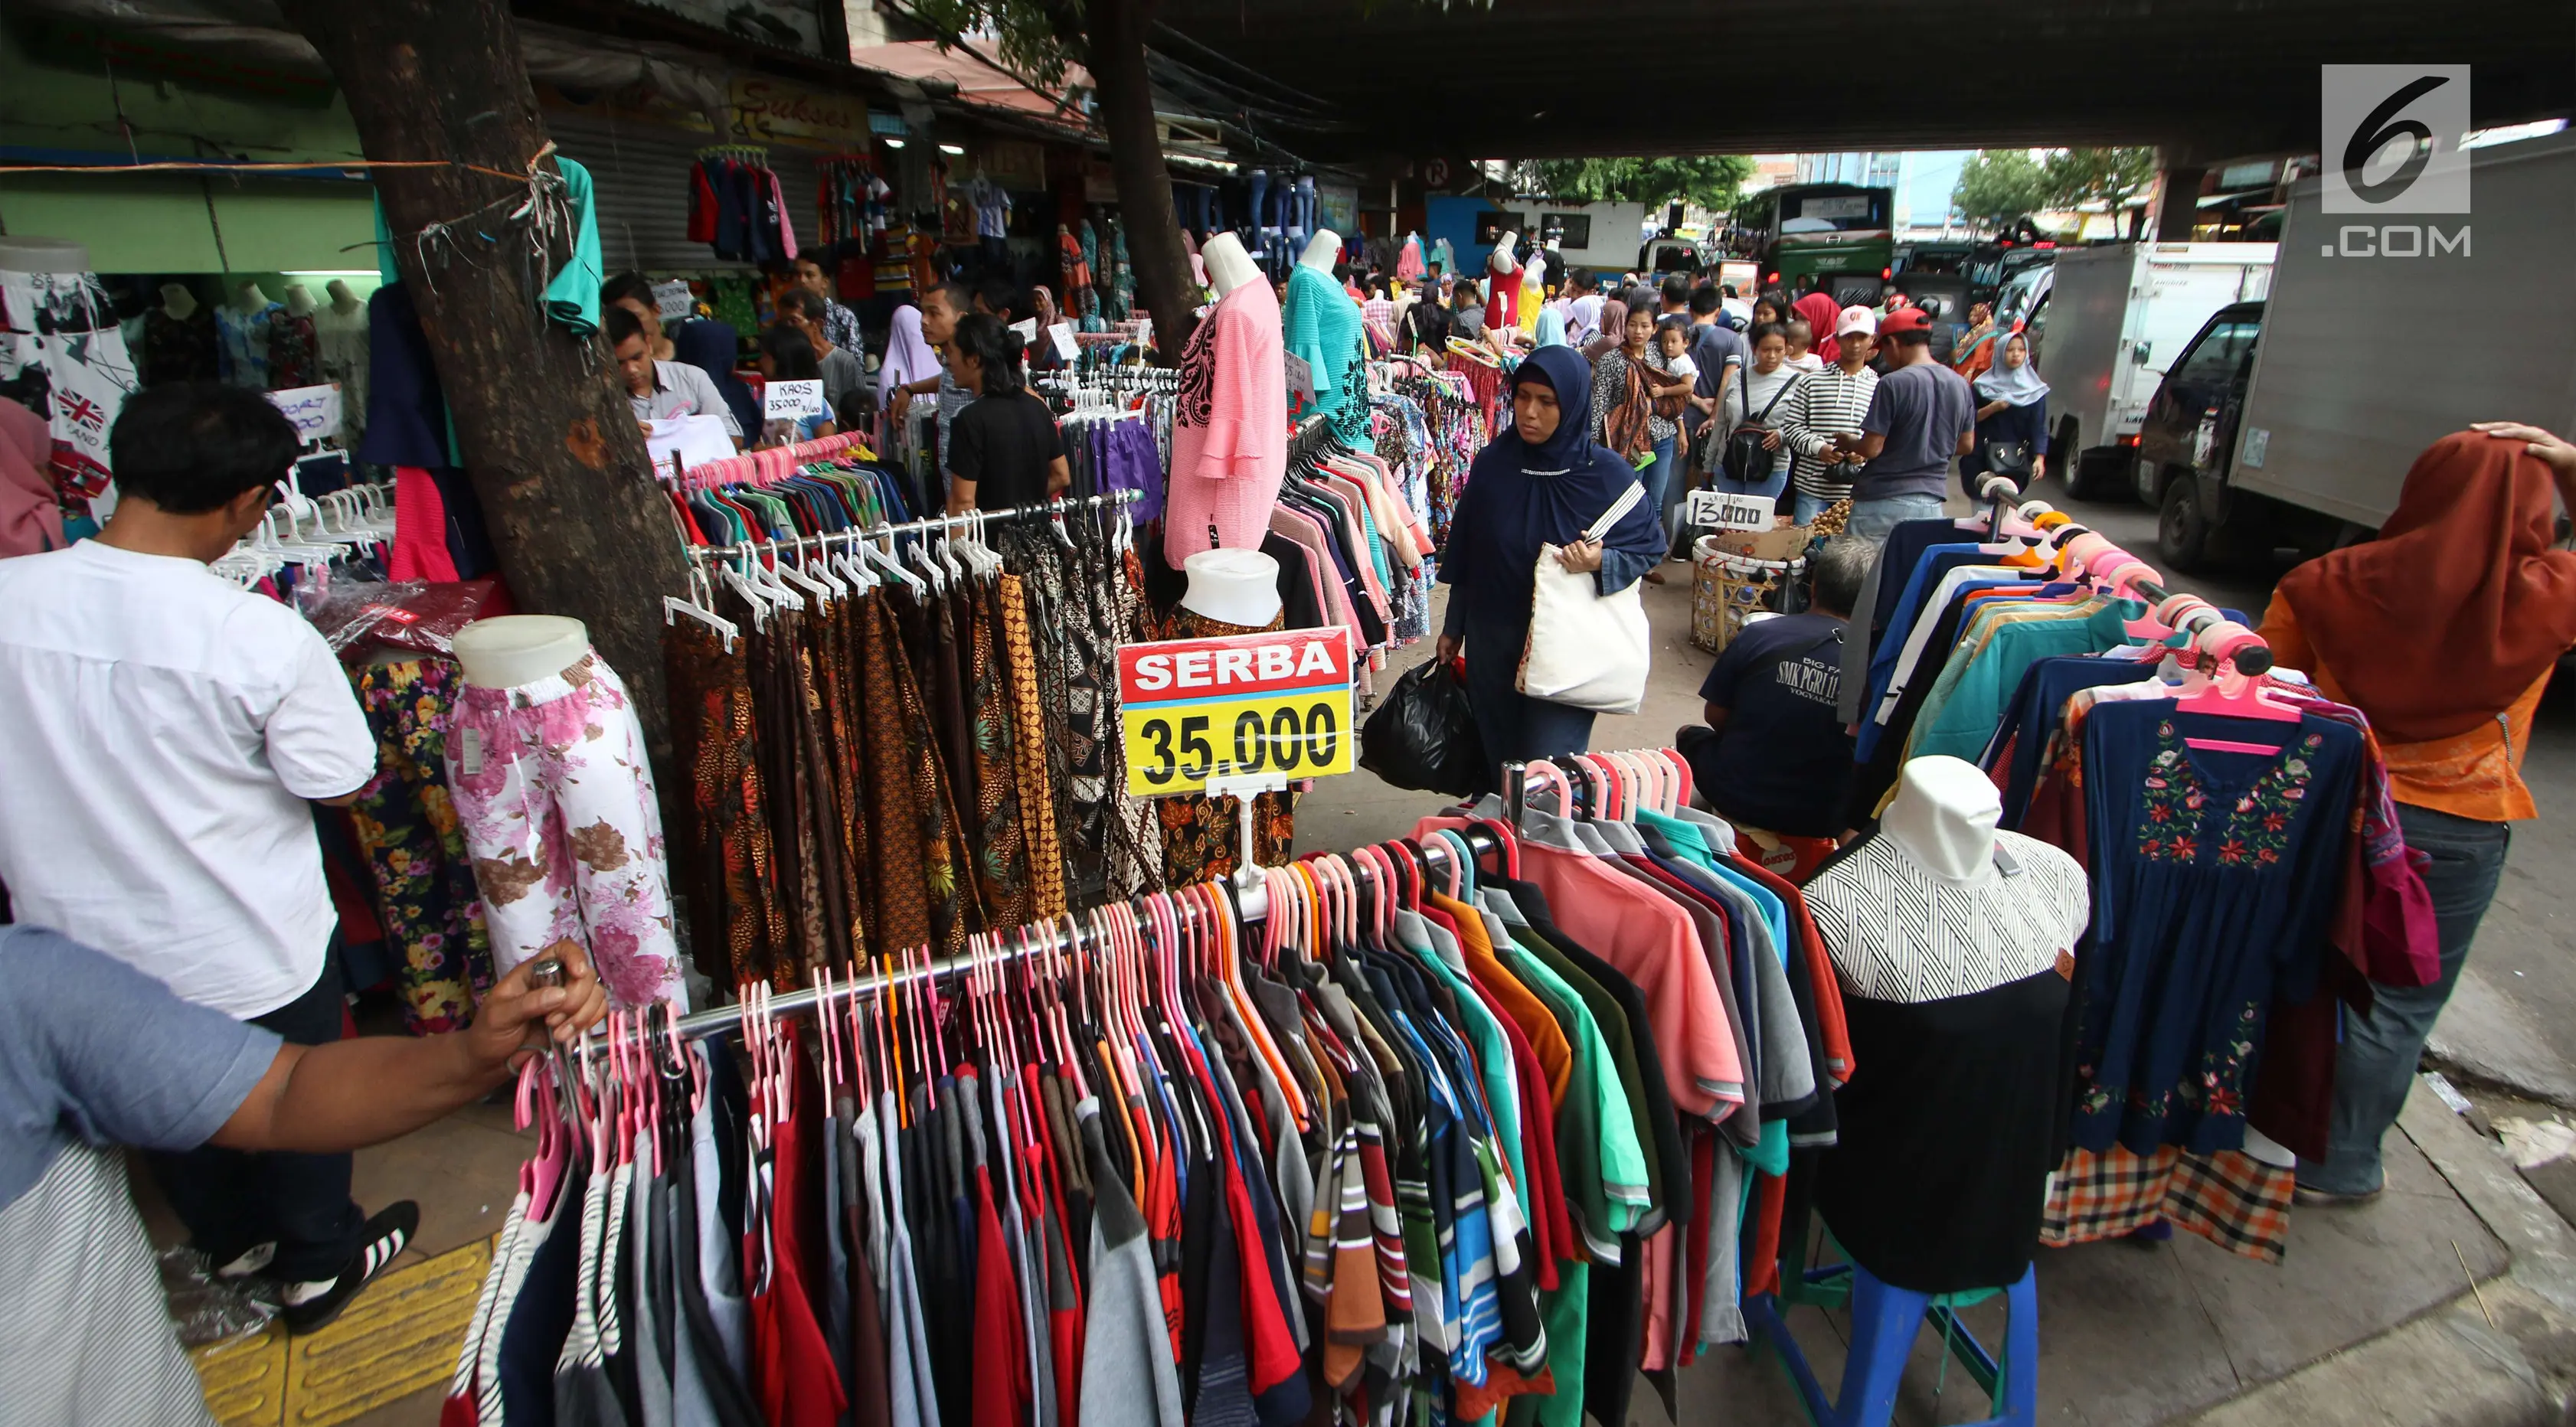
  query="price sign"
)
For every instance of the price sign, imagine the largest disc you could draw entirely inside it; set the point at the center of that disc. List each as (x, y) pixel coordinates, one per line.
(1026, 329)
(695, 440)
(1727, 510)
(792, 400)
(1301, 377)
(671, 300)
(1065, 346)
(1192, 709)
(315, 410)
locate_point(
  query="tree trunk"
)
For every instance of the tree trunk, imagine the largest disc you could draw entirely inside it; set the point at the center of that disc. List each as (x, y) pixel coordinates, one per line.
(1116, 43)
(547, 437)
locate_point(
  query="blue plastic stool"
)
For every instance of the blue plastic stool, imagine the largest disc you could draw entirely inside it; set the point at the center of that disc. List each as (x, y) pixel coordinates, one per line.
(1885, 1320)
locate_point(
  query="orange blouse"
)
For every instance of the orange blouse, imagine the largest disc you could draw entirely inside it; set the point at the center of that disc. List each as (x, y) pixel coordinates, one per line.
(2477, 774)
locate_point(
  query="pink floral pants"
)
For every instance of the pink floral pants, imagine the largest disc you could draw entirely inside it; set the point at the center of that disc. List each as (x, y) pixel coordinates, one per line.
(556, 800)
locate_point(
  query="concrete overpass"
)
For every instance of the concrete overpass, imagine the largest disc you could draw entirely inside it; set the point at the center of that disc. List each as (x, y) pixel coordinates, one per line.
(1372, 80)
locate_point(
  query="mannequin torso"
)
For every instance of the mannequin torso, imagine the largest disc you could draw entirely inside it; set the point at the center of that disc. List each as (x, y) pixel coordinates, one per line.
(1237, 587)
(1228, 265)
(515, 649)
(1323, 251)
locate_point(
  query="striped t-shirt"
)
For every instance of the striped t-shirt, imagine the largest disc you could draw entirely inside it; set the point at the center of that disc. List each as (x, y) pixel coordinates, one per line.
(1826, 403)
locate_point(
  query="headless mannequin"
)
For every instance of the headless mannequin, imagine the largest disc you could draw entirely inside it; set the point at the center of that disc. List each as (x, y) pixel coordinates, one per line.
(1322, 251)
(343, 301)
(1943, 818)
(1237, 587)
(510, 650)
(1502, 297)
(299, 299)
(252, 299)
(1533, 290)
(177, 301)
(1228, 265)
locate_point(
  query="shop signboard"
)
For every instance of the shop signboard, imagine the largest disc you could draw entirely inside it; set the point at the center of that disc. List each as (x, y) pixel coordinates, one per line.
(787, 24)
(1275, 705)
(767, 110)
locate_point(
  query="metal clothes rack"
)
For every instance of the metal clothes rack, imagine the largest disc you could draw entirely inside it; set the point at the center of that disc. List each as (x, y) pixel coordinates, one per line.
(1251, 899)
(2250, 653)
(1106, 500)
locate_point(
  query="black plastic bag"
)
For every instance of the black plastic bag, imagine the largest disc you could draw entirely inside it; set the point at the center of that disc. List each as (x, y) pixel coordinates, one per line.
(1424, 736)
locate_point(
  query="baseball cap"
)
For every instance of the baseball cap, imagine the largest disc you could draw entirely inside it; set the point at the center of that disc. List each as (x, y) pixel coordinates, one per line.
(1904, 319)
(1857, 319)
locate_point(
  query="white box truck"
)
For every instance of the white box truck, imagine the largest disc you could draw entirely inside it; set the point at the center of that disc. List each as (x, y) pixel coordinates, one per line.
(2382, 334)
(2117, 315)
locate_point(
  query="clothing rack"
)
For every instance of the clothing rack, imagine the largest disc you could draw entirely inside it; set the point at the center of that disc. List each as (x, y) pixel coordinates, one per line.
(1110, 499)
(1252, 904)
(2213, 633)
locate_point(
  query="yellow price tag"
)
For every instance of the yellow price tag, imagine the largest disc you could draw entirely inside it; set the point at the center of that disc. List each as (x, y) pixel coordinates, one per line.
(1277, 704)
(1176, 748)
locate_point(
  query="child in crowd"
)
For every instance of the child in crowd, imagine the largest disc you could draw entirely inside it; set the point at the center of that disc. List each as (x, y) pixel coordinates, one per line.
(1801, 336)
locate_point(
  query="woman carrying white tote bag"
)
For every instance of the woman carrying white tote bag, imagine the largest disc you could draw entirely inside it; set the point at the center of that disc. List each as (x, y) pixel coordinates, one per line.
(1543, 558)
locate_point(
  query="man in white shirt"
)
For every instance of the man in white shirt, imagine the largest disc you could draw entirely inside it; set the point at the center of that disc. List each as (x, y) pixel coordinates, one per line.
(659, 391)
(167, 731)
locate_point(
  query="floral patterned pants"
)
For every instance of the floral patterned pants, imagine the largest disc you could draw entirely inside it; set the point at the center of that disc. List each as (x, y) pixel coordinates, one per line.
(556, 799)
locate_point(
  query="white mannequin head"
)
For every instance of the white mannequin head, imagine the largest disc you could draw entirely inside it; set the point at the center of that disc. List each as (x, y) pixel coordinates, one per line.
(342, 299)
(1943, 817)
(178, 301)
(1228, 265)
(299, 299)
(252, 299)
(1503, 247)
(1322, 251)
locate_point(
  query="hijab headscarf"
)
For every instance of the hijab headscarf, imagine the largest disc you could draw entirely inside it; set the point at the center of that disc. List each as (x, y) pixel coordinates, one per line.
(2461, 603)
(709, 346)
(1614, 331)
(908, 356)
(1551, 328)
(1822, 315)
(1521, 496)
(30, 521)
(2019, 385)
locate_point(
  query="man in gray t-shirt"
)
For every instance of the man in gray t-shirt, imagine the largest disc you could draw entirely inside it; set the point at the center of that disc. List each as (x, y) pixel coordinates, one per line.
(1921, 416)
(95, 1054)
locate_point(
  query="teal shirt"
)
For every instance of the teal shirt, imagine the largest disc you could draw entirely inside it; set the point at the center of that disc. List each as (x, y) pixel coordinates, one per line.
(1321, 325)
(572, 299)
(1960, 716)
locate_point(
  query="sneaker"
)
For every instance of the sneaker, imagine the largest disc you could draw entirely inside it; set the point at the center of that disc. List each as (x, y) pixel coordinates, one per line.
(311, 1305)
(249, 1263)
(2307, 1198)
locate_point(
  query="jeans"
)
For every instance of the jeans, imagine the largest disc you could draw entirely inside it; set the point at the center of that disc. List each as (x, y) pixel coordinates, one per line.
(2375, 1068)
(232, 1201)
(1872, 519)
(1809, 507)
(1658, 474)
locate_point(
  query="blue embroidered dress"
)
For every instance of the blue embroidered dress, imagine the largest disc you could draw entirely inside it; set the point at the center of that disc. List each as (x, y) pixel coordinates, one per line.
(2214, 882)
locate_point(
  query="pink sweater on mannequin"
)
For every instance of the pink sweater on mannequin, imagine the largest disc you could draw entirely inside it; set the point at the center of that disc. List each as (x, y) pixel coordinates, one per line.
(1229, 429)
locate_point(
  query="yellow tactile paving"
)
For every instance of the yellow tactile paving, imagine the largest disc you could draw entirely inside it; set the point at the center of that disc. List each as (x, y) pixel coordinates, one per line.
(397, 1339)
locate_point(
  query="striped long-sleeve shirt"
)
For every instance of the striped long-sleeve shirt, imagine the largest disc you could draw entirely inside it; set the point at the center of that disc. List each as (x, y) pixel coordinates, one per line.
(1826, 403)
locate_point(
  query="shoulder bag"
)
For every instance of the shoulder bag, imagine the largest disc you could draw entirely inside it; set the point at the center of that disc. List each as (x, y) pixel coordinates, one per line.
(1746, 460)
(1586, 650)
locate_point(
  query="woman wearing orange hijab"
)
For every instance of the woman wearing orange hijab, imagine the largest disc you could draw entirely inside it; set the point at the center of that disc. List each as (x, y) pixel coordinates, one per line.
(2443, 631)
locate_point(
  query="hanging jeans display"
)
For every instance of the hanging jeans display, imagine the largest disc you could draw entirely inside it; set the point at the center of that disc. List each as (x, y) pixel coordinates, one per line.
(556, 800)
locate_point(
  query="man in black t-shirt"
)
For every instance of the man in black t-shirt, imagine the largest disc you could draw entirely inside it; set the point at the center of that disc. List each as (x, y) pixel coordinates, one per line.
(1775, 755)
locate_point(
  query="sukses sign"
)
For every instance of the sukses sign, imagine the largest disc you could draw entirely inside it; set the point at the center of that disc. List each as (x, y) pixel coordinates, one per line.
(1192, 709)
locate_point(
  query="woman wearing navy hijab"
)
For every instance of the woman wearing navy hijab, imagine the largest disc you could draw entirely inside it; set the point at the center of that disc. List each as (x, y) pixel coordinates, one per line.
(1542, 481)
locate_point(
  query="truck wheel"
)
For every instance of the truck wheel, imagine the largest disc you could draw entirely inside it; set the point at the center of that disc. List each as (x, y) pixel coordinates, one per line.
(2182, 532)
(2101, 474)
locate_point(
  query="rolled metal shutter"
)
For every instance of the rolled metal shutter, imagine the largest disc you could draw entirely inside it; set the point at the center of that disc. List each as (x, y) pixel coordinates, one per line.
(639, 177)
